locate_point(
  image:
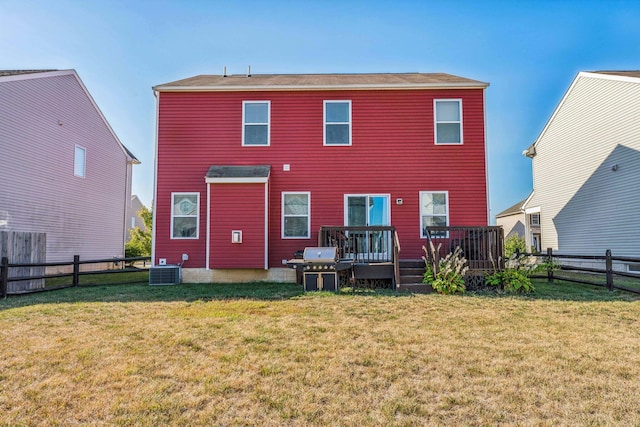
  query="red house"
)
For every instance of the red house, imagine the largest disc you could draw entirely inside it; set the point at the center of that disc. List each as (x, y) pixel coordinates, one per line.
(252, 168)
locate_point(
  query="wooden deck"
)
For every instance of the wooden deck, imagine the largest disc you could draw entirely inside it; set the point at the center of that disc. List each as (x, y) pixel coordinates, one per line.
(375, 252)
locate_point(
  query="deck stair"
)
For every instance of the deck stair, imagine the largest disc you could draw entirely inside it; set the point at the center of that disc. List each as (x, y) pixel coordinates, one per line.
(411, 275)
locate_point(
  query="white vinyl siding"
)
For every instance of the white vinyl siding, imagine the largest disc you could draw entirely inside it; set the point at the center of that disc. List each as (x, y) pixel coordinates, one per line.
(256, 118)
(337, 122)
(296, 215)
(587, 206)
(185, 215)
(448, 121)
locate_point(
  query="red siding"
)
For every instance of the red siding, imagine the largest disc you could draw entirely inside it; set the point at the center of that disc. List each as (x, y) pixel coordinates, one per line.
(393, 152)
(237, 207)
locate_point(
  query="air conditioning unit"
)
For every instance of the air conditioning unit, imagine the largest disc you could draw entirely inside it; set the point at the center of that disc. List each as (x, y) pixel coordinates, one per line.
(165, 275)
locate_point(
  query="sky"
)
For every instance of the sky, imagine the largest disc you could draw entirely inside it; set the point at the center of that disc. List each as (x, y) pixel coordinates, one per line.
(529, 52)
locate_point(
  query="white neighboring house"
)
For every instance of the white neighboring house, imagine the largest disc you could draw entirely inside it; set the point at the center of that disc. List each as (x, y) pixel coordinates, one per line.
(586, 167)
(63, 171)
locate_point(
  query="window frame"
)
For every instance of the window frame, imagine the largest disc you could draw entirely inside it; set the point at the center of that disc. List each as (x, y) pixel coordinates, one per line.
(244, 124)
(324, 122)
(435, 121)
(446, 215)
(84, 161)
(197, 215)
(533, 223)
(283, 215)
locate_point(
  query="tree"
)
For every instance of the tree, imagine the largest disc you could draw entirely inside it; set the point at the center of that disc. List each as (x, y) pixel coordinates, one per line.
(140, 242)
(514, 243)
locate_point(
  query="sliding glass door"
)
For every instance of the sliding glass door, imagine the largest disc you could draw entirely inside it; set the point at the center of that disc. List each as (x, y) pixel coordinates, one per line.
(364, 210)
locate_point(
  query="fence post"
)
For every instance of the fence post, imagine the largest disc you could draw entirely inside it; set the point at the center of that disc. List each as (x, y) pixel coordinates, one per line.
(4, 276)
(76, 270)
(550, 265)
(609, 268)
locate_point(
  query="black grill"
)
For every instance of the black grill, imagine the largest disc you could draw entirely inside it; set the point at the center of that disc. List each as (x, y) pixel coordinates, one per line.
(321, 268)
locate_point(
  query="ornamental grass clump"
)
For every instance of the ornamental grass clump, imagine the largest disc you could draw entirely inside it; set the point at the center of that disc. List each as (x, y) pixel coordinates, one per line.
(446, 275)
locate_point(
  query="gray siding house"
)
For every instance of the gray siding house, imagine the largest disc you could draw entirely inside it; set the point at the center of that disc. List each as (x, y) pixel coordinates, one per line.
(63, 171)
(586, 167)
(135, 206)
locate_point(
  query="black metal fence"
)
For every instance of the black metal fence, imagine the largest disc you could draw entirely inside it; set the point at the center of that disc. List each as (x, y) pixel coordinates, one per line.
(120, 265)
(606, 270)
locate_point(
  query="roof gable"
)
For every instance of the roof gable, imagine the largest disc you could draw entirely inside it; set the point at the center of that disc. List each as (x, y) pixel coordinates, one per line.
(626, 76)
(518, 208)
(16, 75)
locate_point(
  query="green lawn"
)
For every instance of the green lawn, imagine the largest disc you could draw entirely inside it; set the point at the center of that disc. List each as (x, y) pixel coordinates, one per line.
(256, 354)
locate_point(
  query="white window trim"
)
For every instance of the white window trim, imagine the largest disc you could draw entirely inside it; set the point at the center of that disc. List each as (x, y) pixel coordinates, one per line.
(84, 161)
(285, 193)
(435, 122)
(324, 122)
(268, 123)
(197, 236)
(446, 193)
(346, 205)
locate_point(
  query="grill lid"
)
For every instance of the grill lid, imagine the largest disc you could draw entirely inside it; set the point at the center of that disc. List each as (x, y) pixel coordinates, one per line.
(321, 254)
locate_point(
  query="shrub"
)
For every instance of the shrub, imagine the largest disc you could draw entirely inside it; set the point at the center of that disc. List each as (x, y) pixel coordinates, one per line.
(140, 242)
(446, 275)
(514, 278)
(514, 244)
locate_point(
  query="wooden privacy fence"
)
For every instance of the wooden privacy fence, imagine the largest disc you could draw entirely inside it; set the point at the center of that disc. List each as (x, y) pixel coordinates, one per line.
(607, 261)
(6, 267)
(28, 249)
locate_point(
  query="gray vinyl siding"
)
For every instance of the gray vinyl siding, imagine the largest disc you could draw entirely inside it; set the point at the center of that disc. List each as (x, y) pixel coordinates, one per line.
(41, 121)
(585, 206)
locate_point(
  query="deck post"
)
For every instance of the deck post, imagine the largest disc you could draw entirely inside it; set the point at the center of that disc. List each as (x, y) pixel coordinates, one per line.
(4, 276)
(609, 268)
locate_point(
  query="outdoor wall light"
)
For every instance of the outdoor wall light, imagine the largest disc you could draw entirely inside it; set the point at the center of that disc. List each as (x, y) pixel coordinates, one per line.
(614, 167)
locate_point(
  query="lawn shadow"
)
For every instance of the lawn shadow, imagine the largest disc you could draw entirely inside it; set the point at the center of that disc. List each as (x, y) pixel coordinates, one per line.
(561, 290)
(186, 292)
(271, 291)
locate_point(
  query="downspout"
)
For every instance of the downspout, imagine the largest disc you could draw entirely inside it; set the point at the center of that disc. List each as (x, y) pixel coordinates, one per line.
(486, 154)
(207, 250)
(154, 202)
(127, 198)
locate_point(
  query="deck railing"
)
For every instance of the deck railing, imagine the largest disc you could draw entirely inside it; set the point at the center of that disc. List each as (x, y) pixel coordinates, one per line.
(372, 244)
(483, 247)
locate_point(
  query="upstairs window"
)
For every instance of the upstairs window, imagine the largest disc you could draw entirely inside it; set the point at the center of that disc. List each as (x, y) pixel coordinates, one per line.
(255, 123)
(295, 215)
(184, 215)
(337, 122)
(434, 212)
(448, 121)
(79, 161)
(535, 219)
